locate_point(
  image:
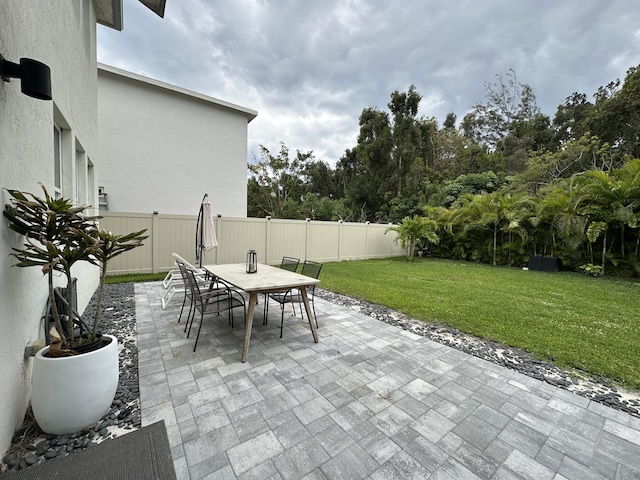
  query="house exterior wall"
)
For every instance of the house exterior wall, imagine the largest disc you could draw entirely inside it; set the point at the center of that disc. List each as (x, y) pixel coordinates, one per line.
(162, 147)
(61, 34)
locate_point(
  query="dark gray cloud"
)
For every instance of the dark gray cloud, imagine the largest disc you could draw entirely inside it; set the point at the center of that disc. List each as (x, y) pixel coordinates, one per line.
(310, 67)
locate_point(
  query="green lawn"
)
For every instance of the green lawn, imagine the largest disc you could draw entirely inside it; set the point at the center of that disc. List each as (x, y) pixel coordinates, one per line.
(579, 322)
(135, 277)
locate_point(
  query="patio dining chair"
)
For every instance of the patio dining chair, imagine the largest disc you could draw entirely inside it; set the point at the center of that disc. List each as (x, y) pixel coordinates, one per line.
(208, 283)
(290, 263)
(212, 301)
(293, 295)
(287, 263)
(174, 283)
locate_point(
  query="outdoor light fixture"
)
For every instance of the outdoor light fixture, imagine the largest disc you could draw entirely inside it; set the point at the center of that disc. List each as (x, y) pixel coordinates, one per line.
(35, 77)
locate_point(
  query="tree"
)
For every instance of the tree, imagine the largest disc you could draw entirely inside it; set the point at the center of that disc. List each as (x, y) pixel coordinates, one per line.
(411, 230)
(320, 179)
(276, 185)
(405, 134)
(450, 121)
(575, 156)
(615, 117)
(569, 118)
(484, 212)
(374, 168)
(611, 201)
(472, 183)
(507, 101)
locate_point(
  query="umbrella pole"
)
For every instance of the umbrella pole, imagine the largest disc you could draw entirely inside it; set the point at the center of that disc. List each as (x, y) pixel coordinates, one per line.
(199, 233)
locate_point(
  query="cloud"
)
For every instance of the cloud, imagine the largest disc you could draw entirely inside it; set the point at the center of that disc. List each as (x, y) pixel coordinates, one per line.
(309, 68)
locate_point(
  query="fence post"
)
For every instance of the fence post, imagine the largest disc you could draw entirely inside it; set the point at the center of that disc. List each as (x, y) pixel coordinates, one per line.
(366, 241)
(155, 242)
(267, 233)
(218, 227)
(306, 238)
(339, 240)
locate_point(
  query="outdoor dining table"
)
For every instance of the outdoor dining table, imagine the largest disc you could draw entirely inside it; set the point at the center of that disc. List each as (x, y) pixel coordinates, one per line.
(266, 280)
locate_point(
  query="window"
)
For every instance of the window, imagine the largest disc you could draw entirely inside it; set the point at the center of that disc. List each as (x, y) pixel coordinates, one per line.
(80, 176)
(57, 161)
(73, 169)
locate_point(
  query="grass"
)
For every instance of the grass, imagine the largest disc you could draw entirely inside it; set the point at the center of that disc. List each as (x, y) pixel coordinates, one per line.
(577, 322)
(135, 277)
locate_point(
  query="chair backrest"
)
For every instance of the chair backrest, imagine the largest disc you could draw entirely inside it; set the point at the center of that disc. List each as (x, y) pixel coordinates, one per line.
(183, 272)
(178, 258)
(311, 269)
(192, 284)
(289, 263)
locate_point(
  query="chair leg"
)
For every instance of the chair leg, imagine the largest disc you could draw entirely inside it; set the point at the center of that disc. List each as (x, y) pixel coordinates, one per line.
(282, 320)
(184, 300)
(199, 327)
(190, 315)
(313, 305)
(193, 315)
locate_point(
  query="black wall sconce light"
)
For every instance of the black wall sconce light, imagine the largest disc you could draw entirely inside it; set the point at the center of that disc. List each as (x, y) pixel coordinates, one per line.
(35, 77)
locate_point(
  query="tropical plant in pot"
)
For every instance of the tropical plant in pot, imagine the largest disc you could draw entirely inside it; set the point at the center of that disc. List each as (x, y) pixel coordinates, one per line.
(74, 379)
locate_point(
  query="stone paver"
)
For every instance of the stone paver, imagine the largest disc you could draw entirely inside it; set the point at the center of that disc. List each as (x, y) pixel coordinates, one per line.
(368, 401)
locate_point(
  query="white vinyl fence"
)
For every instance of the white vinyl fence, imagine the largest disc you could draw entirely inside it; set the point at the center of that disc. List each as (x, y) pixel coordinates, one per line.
(270, 238)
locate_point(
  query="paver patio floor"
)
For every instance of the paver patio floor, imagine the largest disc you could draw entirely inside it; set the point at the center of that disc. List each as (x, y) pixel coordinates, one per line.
(369, 400)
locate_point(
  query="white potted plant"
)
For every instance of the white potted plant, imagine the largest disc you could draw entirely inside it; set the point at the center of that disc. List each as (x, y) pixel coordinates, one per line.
(75, 378)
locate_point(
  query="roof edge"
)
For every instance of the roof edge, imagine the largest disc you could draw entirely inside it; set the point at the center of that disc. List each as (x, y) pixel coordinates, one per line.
(250, 113)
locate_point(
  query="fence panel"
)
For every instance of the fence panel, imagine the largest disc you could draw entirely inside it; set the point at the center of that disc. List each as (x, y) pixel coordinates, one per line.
(323, 239)
(286, 238)
(176, 233)
(378, 243)
(139, 259)
(238, 235)
(353, 241)
(271, 238)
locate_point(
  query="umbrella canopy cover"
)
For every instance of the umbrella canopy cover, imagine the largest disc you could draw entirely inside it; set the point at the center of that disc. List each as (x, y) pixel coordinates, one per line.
(209, 239)
(205, 231)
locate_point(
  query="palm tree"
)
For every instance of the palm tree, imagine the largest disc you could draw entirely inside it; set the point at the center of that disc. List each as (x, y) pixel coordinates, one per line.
(413, 229)
(482, 212)
(560, 215)
(610, 199)
(516, 209)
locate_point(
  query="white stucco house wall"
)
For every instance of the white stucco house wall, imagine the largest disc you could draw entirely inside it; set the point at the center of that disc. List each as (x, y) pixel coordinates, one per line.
(162, 147)
(34, 134)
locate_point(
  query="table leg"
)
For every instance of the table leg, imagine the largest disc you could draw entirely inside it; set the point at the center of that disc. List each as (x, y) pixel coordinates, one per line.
(312, 323)
(253, 299)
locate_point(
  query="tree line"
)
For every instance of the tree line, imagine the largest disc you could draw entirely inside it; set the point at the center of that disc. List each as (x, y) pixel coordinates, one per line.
(505, 182)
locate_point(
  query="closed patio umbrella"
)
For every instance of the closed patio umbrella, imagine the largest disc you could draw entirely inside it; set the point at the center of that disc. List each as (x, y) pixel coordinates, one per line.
(205, 231)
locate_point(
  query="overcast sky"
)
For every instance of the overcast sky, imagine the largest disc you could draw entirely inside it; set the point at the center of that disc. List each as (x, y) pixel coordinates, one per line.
(309, 67)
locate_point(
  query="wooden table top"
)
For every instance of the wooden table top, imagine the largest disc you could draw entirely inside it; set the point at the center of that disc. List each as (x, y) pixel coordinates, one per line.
(267, 278)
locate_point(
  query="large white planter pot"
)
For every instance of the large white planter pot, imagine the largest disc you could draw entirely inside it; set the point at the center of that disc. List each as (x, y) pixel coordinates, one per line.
(70, 394)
